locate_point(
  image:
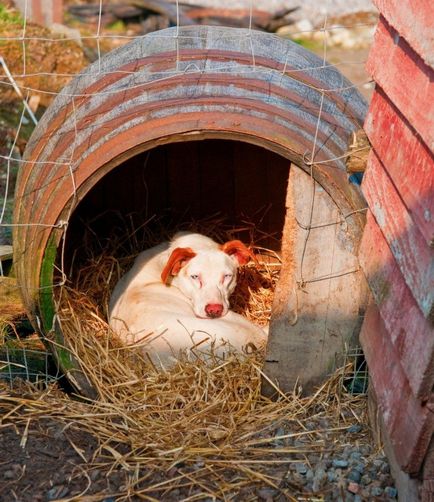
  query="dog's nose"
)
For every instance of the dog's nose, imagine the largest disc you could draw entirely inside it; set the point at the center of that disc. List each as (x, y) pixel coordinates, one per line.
(214, 309)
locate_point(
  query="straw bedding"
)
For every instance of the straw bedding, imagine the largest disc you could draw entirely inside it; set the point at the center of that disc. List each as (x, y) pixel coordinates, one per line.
(199, 431)
(196, 432)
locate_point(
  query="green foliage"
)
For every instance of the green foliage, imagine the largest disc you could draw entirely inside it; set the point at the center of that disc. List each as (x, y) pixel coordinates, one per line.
(312, 45)
(10, 16)
(118, 26)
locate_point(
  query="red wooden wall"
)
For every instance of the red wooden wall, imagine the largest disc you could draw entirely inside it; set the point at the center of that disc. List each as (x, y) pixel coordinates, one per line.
(397, 249)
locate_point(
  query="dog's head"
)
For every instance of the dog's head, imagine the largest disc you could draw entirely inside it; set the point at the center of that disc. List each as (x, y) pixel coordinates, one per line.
(208, 276)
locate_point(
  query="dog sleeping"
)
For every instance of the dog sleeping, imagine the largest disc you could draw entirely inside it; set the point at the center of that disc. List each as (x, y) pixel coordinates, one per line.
(175, 298)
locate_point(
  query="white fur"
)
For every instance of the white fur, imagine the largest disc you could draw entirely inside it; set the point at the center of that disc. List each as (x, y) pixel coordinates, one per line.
(166, 319)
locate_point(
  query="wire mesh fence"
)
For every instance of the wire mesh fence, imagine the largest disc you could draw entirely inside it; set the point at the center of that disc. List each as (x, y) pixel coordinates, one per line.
(31, 80)
(32, 365)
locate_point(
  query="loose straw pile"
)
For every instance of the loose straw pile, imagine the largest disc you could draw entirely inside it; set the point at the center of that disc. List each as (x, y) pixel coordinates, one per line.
(196, 432)
(199, 431)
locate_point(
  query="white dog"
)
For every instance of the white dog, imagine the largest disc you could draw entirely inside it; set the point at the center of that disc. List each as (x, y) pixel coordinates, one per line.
(176, 297)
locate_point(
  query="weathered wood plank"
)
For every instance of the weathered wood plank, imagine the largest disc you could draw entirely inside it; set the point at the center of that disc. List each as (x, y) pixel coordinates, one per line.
(409, 424)
(410, 333)
(260, 191)
(408, 487)
(6, 252)
(428, 474)
(414, 257)
(183, 169)
(405, 78)
(407, 159)
(217, 177)
(414, 19)
(313, 317)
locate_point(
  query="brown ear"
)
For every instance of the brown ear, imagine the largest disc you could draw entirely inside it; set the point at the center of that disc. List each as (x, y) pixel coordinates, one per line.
(240, 251)
(178, 258)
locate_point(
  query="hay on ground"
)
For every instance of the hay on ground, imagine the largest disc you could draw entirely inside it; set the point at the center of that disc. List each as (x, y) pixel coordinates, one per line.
(199, 431)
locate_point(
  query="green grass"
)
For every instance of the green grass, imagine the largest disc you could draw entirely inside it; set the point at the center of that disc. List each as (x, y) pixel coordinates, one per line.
(312, 45)
(10, 16)
(118, 26)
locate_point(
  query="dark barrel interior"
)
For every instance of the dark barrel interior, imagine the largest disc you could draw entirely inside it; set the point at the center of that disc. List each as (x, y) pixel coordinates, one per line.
(178, 184)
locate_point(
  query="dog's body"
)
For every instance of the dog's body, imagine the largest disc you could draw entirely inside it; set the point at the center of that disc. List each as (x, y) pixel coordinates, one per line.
(176, 297)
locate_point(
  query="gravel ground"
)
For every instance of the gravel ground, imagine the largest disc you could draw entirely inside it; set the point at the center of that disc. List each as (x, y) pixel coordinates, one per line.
(50, 465)
(314, 10)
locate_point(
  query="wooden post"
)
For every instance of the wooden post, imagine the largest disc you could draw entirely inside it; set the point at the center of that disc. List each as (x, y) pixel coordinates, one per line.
(43, 12)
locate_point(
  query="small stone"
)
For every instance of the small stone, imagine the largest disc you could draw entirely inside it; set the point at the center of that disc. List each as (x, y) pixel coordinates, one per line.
(301, 468)
(309, 475)
(279, 432)
(340, 463)
(384, 479)
(267, 494)
(355, 456)
(376, 491)
(331, 476)
(314, 459)
(391, 491)
(385, 468)
(304, 25)
(300, 29)
(199, 463)
(355, 476)
(354, 429)
(9, 474)
(365, 494)
(300, 479)
(319, 478)
(63, 492)
(336, 494)
(353, 487)
(57, 492)
(373, 472)
(71, 33)
(360, 467)
(95, 474)
(173, 471)
(327, 462)
(366, 480)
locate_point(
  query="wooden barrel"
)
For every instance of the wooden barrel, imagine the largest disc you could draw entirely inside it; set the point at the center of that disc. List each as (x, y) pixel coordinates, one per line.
(195, 83)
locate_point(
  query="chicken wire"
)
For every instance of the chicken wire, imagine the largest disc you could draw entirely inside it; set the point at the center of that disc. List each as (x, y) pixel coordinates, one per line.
(11, 162)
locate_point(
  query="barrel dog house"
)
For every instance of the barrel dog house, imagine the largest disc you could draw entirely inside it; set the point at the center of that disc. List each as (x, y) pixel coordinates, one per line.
(197, 121)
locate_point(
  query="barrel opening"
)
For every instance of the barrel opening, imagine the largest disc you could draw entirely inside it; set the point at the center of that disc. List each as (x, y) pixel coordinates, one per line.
(218, 187)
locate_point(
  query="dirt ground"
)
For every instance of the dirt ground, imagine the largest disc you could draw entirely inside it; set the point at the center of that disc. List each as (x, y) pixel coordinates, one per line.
(46, 455)
(46, 466)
